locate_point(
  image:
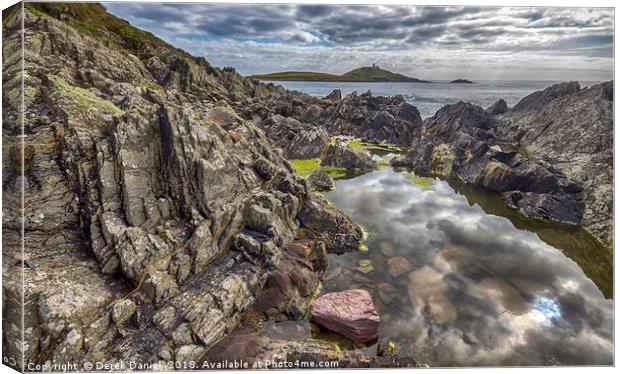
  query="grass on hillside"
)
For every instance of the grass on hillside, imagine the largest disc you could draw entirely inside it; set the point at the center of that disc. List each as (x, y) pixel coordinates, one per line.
(364, 74)
(308, 75)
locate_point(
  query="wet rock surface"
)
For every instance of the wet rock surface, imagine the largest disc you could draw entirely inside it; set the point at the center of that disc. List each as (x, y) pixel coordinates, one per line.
(333, 227)
(351, 313)
(249, 344)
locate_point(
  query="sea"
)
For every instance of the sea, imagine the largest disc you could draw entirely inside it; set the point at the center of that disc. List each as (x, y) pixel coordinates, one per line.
(430, 97)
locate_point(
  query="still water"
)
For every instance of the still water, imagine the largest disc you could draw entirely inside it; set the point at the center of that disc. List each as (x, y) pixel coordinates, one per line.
(430, 97)
(459, 279)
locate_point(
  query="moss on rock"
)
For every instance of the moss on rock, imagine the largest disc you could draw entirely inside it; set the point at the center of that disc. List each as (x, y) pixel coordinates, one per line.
(81, 98)
(305, 167)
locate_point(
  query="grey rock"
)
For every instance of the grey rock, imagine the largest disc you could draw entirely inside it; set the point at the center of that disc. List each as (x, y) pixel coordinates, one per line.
(122, 311)
(333, 227)
(334, 96)
(456, 144)
(188, 353)
(499, 107)
(339, 154)
(572, 130)
(320, 180)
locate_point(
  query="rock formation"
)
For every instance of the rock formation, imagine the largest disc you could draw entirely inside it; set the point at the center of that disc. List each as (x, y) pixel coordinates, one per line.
(321, 181)
(550, 155)
(571, 129)
(154, 212)
(339, 154)
(499, 107)
(373, 119)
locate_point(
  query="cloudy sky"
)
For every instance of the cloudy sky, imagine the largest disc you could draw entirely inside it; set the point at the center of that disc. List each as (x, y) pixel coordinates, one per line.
(422, 42)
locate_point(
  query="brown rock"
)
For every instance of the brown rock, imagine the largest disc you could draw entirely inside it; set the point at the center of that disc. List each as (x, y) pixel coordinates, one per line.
(351, 313)
(398, 266)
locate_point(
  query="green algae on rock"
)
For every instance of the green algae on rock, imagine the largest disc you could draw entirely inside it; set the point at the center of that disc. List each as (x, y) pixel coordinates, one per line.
(305, 167)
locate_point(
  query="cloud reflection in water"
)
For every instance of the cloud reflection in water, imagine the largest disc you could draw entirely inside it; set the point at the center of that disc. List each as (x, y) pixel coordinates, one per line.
(480, 291)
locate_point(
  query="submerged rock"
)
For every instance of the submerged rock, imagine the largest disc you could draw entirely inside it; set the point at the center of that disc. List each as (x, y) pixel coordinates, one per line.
(398, 266)
(351, 313)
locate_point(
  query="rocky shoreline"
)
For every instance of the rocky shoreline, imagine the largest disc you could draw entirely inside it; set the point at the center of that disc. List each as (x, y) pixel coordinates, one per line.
(162, 204)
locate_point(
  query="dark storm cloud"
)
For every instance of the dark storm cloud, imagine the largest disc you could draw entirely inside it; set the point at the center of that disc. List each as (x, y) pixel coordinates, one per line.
(308, 12)
(351, 25)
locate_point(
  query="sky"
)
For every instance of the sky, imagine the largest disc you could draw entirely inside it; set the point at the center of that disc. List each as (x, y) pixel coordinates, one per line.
(439, 43)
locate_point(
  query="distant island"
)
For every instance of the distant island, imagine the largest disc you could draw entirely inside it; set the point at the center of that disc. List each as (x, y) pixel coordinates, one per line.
(364, 74)
(461, 81)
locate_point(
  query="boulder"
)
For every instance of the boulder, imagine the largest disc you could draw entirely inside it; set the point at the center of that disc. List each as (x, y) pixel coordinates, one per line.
(333, 227)
(339, 154)
(298, 140)
(320, 180)
(297, 276)
(350, 313)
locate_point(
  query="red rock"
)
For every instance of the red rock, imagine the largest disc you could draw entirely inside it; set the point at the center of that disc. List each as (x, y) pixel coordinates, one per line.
(350, 313)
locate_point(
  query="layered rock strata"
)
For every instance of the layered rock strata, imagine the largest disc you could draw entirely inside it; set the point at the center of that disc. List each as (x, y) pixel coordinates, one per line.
(154, 213)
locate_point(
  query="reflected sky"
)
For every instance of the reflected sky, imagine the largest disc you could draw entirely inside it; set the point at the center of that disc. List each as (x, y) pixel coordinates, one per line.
(479, 291)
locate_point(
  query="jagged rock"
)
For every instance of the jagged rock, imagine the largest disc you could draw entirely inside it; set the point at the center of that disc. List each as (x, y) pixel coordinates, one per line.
(334, 96)
(499, 107)
(455, 144)
(320, 180)
(572, 130)
(339, 154)
(373, 119)
(297, 276)
(139, 175)
(333, 227)
(297, 140)
(350, 313)
(538, 99)
(122, 311)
